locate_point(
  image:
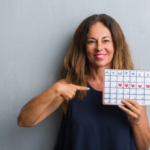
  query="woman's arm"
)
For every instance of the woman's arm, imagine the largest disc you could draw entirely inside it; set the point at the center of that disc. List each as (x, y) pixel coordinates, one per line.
(31, 111)
(140, 126)
(44, 104)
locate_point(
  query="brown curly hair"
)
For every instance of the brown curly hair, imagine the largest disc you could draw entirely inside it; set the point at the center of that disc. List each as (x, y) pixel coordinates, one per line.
(75, 68)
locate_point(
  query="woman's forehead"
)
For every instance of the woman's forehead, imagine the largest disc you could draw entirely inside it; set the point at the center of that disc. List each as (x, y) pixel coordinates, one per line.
(98, 29)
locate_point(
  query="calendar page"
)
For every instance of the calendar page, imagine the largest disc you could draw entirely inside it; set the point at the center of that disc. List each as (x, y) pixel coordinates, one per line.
(126, 84)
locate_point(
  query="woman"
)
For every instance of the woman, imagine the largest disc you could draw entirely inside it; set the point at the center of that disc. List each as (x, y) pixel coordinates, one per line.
(98, 44)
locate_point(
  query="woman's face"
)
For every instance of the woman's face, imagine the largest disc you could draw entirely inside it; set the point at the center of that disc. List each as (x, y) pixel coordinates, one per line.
(99, 46)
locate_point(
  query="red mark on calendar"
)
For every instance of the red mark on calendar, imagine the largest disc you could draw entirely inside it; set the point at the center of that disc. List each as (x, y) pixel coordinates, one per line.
(148, 86)
(139, 86)
(126, 85)
(132, 85)
(119, 84)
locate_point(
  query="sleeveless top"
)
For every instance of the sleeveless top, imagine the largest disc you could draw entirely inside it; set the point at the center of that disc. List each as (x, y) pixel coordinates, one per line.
(90, 125)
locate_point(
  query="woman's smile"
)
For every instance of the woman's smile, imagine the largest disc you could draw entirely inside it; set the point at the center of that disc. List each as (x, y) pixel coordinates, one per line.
(100, 56)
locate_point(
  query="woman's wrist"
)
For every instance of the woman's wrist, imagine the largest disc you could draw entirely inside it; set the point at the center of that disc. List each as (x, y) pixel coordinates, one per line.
(139, 124)
(55, 89)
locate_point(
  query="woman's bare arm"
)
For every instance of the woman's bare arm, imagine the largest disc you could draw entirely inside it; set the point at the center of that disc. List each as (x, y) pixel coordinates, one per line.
(141, 132)
(140, 125)
(44, 104)
(32, 111)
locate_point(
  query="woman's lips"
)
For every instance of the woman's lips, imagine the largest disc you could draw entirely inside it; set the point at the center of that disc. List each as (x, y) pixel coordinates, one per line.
(100, 56)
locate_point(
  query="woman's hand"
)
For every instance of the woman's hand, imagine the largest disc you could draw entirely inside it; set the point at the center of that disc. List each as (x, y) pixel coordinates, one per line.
(134, 112)
(68, 91)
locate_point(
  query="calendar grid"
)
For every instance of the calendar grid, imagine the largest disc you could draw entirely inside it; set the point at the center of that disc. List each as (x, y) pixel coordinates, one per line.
(136, 87)
(110, 89)
(116, 87)
(123, 84)
(129, 82)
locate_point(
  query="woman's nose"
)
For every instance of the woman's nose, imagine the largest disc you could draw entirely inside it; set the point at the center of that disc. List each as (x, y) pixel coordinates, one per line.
(99, 46)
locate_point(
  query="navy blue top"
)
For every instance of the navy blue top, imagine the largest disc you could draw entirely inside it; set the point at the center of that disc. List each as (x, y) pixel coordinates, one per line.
(90, 125)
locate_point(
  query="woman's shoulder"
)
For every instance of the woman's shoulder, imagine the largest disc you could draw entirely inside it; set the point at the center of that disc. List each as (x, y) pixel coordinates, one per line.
(62, 80)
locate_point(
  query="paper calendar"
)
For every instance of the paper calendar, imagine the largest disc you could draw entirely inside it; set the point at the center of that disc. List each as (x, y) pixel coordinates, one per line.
(126, 84)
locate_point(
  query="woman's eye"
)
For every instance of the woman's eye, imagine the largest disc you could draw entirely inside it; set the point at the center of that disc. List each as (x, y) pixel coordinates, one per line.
(106, 41)
(90, 42)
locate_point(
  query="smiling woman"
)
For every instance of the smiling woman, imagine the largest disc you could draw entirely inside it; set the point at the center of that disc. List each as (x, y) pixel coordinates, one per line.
(87, 124)
(99, 44)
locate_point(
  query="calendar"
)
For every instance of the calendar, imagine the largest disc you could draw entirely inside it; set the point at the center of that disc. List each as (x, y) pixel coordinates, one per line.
(126, 84)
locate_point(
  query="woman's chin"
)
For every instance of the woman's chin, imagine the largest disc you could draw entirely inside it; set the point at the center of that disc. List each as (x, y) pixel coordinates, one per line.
(104, 65)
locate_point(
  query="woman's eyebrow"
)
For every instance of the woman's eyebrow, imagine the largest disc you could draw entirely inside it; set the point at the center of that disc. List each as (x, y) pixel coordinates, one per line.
(91, 38)
(105, 37)
(95, 39)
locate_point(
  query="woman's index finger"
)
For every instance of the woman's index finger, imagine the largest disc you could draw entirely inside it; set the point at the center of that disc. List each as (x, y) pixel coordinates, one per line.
(82, 87)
